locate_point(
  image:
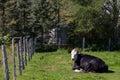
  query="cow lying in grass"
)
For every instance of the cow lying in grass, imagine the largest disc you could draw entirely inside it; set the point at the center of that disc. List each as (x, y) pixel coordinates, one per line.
(87, 63)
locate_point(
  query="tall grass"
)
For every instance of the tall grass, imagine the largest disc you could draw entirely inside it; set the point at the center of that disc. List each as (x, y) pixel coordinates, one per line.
(58, 66)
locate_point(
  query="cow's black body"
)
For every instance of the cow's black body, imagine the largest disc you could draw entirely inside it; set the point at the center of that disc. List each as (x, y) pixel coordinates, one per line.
(90, 63)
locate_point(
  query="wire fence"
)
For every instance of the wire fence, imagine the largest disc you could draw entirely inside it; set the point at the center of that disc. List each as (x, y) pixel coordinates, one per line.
(24, 48)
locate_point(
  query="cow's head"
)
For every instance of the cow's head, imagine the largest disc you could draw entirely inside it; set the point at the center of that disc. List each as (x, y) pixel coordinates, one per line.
(74, 54)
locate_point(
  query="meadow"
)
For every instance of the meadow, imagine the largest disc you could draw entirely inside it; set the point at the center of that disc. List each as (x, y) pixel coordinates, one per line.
(58, 66)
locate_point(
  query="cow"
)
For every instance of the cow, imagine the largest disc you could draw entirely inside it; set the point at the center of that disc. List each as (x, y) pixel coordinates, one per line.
(87, 63)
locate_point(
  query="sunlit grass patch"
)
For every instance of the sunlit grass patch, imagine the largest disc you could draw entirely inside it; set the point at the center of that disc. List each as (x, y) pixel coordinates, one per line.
(58, 66)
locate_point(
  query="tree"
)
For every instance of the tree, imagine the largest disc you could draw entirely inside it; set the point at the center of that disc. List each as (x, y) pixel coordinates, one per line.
(21, 18)
(94, 22)
(3, 17)
(112, 11)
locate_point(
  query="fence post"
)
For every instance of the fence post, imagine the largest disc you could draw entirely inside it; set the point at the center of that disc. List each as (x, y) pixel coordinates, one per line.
(21, 53)
(28, 49)
(5, 63)
(19, 59)
(59, 43)
(13, 60)
(35, 40)
(25, 55)
(26, 40)
(83, 43)
(33, 46)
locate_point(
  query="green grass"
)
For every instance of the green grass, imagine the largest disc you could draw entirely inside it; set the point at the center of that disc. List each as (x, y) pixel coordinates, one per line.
(58, 66)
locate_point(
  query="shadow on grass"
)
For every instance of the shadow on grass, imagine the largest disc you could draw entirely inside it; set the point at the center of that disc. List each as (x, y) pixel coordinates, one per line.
(45, 50)
(110, 71)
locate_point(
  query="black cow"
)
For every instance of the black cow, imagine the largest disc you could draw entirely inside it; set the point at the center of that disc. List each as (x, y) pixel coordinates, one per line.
(87, 63)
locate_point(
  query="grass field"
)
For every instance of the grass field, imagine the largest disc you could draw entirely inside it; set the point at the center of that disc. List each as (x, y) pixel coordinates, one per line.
(57, 66)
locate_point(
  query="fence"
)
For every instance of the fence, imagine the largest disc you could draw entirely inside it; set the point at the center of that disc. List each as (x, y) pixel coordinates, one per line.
(24, 48)
(106, 43)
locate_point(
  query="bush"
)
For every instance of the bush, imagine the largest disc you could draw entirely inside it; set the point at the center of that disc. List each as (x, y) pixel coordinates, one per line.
(46, 48)
(5, 40)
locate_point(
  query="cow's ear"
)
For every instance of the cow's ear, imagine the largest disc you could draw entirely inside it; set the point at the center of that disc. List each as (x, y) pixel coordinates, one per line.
(78, 52)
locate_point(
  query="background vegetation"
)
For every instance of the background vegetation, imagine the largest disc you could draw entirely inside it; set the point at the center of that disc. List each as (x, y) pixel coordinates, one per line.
(94, 19)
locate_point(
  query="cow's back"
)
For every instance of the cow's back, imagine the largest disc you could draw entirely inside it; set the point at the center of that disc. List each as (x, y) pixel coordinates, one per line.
(97, 64)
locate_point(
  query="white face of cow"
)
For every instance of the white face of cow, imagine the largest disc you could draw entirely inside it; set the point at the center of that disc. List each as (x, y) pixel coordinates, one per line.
(74, 53)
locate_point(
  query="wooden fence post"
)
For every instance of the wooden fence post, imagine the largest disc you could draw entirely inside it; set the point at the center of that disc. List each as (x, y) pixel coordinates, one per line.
(13, 60)
(19, 59)
(25, 54)
(28, 48)
(59, 43)
(5, 63)
(21, 53)
(83, 43)
(32, 46)
(26, 40)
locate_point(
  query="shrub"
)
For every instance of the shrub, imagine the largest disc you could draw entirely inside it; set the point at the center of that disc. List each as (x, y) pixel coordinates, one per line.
(46, 48)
